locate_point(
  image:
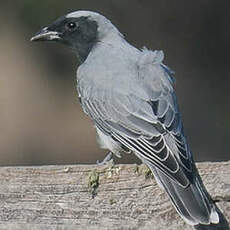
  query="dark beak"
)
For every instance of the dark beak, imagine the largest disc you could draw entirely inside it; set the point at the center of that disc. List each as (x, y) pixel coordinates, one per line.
(46, 35)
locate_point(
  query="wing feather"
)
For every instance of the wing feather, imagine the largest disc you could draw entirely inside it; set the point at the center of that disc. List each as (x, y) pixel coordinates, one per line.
(149, 125)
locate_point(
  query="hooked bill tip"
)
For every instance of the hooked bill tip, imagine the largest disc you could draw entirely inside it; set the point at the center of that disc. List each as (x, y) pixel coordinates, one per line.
(45, 35)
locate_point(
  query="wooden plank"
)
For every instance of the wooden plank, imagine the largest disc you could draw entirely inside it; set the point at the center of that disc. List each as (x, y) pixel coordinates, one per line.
(74, 197)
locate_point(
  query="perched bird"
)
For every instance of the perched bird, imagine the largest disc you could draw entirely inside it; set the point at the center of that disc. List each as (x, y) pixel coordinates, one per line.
(129, 94)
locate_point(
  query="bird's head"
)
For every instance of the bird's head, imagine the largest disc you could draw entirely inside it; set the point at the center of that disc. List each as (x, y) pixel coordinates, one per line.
(80, 30)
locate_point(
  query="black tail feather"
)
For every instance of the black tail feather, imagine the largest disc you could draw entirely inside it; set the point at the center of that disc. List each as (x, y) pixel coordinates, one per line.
(193, 203)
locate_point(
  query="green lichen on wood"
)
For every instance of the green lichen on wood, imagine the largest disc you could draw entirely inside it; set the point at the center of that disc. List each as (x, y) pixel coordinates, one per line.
(112, 201)
(136, 169)
(93, 182)
(113, 170)
(143, 170)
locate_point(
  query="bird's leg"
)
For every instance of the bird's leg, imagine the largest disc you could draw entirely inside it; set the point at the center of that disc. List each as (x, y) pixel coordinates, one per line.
(108, 159)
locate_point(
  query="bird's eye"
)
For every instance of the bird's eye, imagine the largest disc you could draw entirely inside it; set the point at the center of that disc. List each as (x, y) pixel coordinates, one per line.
(71, 25)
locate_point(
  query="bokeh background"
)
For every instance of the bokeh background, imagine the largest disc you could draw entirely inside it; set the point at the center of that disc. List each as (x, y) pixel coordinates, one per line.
(41, 121)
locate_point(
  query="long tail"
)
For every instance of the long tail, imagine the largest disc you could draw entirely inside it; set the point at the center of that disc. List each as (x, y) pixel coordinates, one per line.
(193, 203)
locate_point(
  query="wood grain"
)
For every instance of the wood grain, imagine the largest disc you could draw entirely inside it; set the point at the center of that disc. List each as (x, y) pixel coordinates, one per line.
(75, 197)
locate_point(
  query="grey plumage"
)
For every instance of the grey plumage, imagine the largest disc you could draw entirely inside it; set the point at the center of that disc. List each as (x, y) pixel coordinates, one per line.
(129, 94)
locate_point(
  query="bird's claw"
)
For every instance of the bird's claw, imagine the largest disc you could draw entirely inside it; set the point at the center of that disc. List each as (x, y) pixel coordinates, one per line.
(108, 159)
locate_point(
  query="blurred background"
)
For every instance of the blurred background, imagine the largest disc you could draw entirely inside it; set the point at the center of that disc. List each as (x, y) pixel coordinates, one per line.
(41, 121)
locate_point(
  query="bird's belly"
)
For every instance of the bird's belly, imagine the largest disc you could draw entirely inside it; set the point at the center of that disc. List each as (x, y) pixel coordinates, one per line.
(106, 142)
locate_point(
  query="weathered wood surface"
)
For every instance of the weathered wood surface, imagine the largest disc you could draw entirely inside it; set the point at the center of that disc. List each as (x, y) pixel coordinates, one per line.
(64, 197)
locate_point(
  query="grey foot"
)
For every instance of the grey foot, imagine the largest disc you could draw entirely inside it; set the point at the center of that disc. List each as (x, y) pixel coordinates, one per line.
(107, 159)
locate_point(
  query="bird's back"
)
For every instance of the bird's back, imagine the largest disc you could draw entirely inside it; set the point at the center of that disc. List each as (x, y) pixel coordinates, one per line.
(131, 99)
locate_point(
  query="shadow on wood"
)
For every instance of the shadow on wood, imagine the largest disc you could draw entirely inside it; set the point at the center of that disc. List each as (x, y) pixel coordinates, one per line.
(74, 197)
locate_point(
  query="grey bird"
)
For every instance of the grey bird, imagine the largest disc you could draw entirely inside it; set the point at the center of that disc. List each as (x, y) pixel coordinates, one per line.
(129, 95)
